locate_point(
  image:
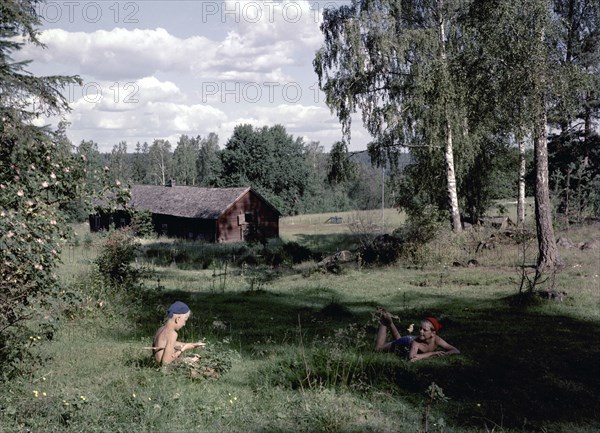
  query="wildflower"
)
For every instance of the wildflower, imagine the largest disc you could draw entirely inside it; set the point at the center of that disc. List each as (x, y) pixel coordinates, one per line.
(82, 397)
(20, 193)
(17, 178)
(118, 182)
(44, 394)
(52, 176)
(32, 166)
(133, 395)
(2, 214)
(53, 222)
(10, 234)
(45, 184)
(411, 327)
(39, 267)
(35, 393)
(44, 379)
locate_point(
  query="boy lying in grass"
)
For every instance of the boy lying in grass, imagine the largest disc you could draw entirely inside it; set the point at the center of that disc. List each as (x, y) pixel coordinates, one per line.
(426, 345)
(166, 349)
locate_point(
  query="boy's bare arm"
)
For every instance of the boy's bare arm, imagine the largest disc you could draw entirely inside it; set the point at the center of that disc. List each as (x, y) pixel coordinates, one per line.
(449, 349)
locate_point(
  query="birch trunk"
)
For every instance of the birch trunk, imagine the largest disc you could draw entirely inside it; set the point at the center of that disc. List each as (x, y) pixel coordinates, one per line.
(521, 196)
(449, 153)
(548, 257)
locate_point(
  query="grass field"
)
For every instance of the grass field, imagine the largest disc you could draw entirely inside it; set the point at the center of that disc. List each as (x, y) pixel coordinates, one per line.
(297, 348)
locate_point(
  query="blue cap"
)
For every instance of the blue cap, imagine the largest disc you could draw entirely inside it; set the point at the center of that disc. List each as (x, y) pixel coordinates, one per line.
(177, 307)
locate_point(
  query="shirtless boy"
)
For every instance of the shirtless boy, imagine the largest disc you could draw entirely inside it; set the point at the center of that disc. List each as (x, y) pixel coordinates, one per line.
(428, 344)
(166, 348)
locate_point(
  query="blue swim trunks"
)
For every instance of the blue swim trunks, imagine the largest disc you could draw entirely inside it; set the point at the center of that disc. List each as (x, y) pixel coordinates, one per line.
(402, 344)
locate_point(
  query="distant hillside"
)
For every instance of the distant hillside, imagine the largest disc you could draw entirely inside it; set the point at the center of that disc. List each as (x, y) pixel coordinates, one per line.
(363, 157)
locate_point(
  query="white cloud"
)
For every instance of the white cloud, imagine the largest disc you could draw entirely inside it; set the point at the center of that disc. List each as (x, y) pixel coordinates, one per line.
(241, 62)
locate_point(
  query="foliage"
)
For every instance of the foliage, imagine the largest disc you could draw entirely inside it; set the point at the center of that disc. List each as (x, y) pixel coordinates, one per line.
(341, 168)
(269, 160)
(184, 160)
(38, 174)
(141, 223)
(209, 164)
(115, 257)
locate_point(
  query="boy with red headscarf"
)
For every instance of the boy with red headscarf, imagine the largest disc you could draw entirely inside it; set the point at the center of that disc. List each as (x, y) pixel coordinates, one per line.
(428, 344)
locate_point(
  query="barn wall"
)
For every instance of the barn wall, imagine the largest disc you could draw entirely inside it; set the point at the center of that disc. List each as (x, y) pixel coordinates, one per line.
(188, 228)
(102, 221)
(247, 213)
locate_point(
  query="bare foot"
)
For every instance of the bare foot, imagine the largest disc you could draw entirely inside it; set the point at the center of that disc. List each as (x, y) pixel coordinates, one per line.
(384, 317)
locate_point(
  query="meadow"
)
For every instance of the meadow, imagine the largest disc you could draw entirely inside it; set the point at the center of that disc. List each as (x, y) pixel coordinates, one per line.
(294, 344)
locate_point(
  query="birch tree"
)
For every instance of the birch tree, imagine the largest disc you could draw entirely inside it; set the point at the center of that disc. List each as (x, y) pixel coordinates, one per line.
(389, 59)
(160, 161)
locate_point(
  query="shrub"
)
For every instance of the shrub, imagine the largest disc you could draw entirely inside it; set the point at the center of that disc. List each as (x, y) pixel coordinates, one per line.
(115, 257)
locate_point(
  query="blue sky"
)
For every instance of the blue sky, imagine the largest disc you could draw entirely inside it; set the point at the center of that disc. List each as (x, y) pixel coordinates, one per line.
(160, 68)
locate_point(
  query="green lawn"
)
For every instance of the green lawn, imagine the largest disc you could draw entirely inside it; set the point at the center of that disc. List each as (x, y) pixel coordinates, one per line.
(299, 350)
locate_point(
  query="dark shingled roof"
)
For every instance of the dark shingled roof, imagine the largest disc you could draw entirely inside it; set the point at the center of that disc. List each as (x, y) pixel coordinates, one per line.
(185, 201)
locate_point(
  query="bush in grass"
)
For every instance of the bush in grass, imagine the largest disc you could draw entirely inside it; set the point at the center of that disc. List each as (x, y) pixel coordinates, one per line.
(115, 257)
(384, 249)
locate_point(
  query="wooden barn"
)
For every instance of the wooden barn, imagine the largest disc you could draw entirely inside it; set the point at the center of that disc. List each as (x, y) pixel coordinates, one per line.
(210, 214)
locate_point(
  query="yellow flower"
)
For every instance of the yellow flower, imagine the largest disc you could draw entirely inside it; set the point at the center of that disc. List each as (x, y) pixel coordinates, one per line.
(82, 397)
(133, 395)
(35, 393)
(44, 394)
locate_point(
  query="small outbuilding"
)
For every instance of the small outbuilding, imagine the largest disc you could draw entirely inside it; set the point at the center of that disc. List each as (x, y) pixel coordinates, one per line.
(210, 214)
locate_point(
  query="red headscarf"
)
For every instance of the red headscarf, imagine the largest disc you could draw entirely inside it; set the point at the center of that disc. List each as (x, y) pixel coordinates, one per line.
(436, 325)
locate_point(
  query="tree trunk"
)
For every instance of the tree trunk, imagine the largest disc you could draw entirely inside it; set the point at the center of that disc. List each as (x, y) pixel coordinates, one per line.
(451, 180)
(449, 153)
(548, 257)
(522, 171)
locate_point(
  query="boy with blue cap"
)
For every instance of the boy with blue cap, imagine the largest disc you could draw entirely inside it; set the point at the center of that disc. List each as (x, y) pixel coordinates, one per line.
(166, 349)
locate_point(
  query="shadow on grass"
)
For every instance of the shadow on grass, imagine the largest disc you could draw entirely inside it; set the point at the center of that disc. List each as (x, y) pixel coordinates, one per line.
(519, 368)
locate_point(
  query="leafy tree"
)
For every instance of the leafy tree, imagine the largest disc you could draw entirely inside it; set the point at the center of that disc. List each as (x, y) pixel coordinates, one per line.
(160, 162)
(519, 60)
(392, 60)
(573, 150)
(184, 160)
(119, 167)
(341, 168)
(208, 164)
(139, 169)
(271, 161)
(37, 174)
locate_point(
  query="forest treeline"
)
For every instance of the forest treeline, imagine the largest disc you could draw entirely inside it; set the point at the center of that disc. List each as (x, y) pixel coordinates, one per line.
(297, 177)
